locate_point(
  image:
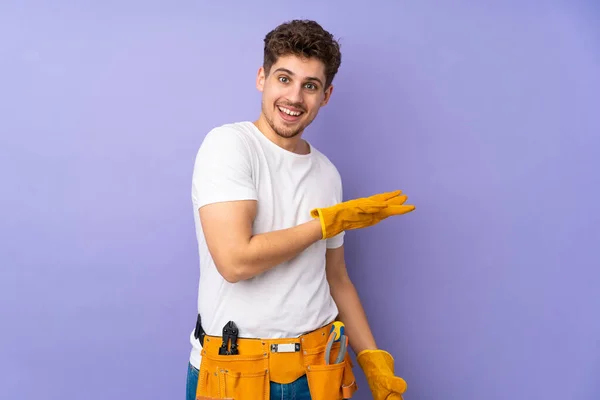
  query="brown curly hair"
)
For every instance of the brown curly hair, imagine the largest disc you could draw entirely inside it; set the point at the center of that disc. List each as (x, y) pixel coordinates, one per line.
(303, 38)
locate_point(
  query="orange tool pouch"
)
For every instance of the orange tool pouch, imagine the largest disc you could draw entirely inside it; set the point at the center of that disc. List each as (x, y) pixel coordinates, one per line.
(247, 375)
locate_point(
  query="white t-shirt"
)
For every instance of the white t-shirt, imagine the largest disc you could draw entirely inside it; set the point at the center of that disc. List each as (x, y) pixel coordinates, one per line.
(237, 162)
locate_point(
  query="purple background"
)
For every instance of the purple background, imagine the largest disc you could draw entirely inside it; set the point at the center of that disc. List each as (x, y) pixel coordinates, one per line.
(486, 115)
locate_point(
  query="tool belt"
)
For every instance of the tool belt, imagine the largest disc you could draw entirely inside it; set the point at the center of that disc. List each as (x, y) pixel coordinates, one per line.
(242, 369)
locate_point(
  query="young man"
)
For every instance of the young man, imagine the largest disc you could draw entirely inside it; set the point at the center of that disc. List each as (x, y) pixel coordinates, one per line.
(270, 224)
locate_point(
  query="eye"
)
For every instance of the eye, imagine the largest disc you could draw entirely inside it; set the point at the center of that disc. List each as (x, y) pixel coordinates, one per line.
(283, 79)
(311, 86)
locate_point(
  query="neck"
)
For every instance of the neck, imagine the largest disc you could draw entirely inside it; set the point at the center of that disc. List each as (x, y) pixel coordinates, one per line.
(294, 144)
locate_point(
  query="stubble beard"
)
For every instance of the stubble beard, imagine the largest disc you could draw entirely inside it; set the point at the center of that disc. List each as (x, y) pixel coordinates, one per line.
(286, 133)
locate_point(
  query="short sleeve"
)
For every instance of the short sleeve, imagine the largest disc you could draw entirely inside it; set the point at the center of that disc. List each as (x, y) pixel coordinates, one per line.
(337, 240)
(223, 169)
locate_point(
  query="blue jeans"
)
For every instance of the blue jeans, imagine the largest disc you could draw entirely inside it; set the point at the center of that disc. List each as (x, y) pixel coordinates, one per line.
(297, 390)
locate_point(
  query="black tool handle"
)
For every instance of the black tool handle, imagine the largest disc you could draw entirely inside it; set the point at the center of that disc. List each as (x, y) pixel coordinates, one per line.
(230, 333)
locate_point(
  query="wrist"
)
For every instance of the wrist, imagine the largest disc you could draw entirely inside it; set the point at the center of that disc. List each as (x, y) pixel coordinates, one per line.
(317, 229)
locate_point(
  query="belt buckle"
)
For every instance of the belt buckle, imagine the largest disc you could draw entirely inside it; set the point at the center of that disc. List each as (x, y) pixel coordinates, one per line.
(285, 347)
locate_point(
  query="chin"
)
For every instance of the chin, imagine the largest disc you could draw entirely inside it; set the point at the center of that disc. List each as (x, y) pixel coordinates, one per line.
(287, 132)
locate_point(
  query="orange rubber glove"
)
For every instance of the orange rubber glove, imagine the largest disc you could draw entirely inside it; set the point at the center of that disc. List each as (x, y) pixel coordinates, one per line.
(360, 213)
(378, 366)
(395, 198)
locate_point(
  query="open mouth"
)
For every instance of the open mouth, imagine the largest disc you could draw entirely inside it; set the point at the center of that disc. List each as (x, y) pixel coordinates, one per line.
(288, 114)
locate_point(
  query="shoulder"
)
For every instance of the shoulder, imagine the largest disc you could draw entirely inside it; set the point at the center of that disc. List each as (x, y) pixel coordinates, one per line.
(227, 143)
(232, 134)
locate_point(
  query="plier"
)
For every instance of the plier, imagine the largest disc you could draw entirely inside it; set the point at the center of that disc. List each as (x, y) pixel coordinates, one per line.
(336, 335)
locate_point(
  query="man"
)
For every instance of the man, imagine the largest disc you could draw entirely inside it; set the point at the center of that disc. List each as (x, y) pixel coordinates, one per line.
(270, 225)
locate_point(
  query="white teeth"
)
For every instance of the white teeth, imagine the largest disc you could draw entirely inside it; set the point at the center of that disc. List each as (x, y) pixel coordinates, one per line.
(290, 112)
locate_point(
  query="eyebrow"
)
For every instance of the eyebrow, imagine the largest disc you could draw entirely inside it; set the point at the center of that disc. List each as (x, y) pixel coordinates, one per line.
(287, 71)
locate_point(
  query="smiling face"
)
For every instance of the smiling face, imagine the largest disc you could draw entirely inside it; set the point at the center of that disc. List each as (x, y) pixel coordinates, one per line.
(293, 91)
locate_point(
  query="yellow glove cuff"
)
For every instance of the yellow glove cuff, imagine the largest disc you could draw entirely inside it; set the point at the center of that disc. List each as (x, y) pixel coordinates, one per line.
(370, 351)
(318, 213)
(375, 361)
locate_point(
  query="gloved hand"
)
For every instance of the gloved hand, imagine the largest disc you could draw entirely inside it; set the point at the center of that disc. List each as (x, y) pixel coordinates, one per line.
(360, 213)
(395, 198)
(378, 366)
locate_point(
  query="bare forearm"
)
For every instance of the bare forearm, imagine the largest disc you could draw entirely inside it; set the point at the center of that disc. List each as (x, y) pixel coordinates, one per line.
(266, 250)
(352, 314)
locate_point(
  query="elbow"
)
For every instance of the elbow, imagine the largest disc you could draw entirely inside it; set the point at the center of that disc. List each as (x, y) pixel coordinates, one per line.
(232, 272)
(231, 276)
(234, 266)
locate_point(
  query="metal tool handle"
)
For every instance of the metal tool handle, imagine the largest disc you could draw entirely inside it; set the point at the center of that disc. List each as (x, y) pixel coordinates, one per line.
(336, 334)
(343, 347)
(330, 342)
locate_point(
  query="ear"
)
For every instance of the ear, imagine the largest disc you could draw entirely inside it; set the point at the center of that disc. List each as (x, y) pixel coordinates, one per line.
(327, 95)
(260, 79)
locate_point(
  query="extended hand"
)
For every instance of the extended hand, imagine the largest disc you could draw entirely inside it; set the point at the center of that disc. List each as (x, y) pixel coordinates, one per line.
(360, 213)
(395, 203)
(378, 366)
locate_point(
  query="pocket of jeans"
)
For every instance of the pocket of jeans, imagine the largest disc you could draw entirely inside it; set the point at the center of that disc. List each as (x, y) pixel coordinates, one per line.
(192, 382)
(234, 377)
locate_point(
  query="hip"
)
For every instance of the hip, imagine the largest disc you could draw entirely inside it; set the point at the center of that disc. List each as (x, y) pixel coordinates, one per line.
(250, 366)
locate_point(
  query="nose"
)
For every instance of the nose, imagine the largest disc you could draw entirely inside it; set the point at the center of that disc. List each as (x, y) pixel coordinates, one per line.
(295, 94)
